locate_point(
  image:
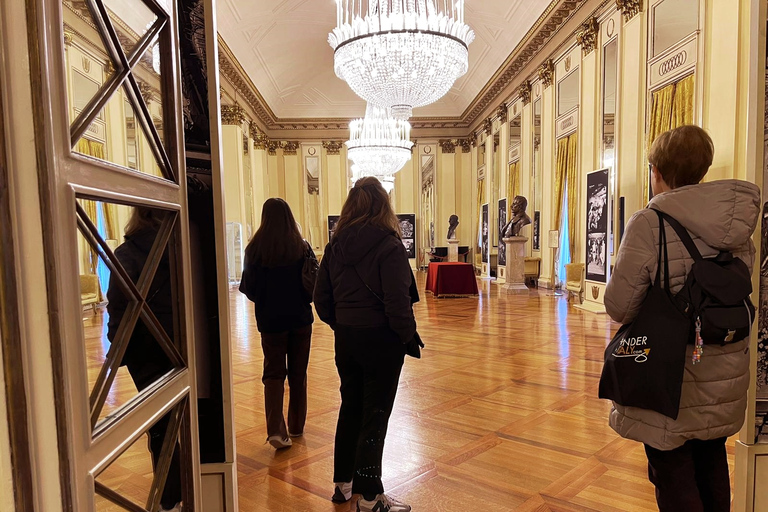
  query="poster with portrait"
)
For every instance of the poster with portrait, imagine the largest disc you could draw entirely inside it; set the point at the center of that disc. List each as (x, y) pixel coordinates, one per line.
(502, 217)
(408, 232)
(485, 235)
(332, 221)
(597, 226)
(536, 231)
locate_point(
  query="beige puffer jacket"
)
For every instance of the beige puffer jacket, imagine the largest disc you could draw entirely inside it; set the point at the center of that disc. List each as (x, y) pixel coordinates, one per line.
(719, 215)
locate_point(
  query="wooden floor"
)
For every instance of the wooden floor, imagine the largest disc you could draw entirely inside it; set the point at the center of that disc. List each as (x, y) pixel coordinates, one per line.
(500, 414)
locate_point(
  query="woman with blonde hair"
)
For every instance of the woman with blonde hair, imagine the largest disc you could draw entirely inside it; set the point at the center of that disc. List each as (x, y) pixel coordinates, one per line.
(363, 293)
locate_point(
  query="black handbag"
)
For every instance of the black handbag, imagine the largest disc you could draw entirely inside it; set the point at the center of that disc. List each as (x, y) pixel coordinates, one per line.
(309, 271)
(645, 360)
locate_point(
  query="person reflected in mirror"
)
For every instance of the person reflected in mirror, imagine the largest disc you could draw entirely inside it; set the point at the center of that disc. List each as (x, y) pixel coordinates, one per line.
(272, 280)
(145, 360)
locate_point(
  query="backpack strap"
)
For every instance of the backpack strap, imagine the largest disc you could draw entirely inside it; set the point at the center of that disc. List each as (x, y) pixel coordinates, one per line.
(685, 237)
(663, 255)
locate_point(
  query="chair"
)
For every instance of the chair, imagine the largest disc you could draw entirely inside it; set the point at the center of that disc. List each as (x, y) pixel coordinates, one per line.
(532, 271)
(89, 290)
(574, 283)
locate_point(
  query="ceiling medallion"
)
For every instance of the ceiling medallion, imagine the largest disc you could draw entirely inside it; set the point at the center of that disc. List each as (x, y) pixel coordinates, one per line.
(379, 145)
(400, 54)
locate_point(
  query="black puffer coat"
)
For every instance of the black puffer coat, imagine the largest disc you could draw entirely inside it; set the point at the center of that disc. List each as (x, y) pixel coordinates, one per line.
(360, 256)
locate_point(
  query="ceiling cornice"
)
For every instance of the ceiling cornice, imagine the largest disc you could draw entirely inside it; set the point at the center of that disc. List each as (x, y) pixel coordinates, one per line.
(557, 14)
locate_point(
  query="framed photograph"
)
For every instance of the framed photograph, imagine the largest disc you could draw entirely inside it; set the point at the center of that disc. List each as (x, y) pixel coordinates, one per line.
(502, 222)
(486, 236)
(536, 231)
(598, 221)
(408, 232)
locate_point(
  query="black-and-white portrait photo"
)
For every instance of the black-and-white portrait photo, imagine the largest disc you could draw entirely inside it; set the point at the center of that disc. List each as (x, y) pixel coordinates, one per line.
(502, 218)
(597, 226)
(536, 231)
(408, 232)
(332, 221)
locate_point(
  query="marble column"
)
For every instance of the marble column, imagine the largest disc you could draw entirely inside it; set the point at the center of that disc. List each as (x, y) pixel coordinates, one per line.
(515, 269)
(453, 250)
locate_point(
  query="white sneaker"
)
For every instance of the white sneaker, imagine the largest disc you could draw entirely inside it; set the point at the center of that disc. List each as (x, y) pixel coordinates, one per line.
(279, 442)
(342, 492)
(382, 503)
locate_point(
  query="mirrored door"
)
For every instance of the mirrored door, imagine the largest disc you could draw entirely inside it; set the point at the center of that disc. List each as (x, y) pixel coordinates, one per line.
(118, 246)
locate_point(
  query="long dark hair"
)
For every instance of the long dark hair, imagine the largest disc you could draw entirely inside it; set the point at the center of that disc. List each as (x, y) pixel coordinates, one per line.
(368, 204)
(278, 240)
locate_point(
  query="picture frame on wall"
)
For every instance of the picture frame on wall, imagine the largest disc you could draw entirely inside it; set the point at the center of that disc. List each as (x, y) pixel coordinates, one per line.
(408, 232)
(332, 221)
(502, 217)
(536, 231)
(598, 222)
(485, 235)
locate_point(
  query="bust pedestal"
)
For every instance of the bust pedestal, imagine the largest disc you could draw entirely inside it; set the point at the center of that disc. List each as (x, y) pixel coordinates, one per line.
(453, 250)
(515, 270)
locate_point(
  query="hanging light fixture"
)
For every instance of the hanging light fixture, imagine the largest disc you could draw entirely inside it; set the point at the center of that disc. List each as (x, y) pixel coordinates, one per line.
(378, 144)
(400, 54)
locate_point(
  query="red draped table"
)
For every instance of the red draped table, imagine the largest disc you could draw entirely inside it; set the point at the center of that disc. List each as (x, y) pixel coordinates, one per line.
(451, 279)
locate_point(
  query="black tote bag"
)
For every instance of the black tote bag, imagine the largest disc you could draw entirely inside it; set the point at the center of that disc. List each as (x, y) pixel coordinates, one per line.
(645, 360)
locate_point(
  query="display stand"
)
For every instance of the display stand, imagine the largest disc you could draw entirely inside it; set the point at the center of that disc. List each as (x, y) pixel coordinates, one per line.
(515, 268)
(453, 250)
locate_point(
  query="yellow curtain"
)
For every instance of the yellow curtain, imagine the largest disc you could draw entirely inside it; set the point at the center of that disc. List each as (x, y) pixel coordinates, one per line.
(110, 220)
(92, 213)
(480, 201)
(573, 190)
(561, 173)
(671, 107)
(513, 185)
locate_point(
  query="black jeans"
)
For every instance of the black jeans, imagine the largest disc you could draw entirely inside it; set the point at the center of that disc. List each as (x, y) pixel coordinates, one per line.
(369, 362)
(691, 478)
(144, 374)
(286, 354)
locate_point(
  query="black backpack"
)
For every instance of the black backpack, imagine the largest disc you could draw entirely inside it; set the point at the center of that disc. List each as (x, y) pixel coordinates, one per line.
(717, 292)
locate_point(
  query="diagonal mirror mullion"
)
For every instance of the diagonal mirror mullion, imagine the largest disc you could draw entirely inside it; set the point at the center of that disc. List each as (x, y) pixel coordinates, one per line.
(119, 345)
(156, 254)
(92, 109)
(166, 455)
(155, 142)
(165, 342)
(104, 25)
(158, 9)
(116, 498)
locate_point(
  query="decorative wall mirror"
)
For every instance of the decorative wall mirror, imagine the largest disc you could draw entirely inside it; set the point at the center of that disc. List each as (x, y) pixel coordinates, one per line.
(313, 231)
(250, 220)
(495, 166)
(610, 68)
(514, 180)
(481, 152)
(568, 93)
(673, 21)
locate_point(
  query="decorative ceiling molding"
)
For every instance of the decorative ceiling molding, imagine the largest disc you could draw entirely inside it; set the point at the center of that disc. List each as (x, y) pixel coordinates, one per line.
(332, 147)
(630, 8)
(556, 15)
(587, 36)
(233, 115)
(448, 146)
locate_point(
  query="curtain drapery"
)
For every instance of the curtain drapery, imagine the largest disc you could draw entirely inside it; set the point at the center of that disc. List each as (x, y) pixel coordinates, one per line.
(480, 201)
(672, 106)
(513, 185)
(567, 181)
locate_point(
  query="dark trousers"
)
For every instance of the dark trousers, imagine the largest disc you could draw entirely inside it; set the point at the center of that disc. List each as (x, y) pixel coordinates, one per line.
(286, 354)
(691, 478)
(144, 374)
(369, 363)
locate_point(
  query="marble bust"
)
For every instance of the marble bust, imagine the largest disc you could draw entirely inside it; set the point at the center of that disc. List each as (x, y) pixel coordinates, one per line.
(453, 223)
(519, 218)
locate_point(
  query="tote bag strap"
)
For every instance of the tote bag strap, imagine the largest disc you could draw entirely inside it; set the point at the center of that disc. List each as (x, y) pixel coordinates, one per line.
(663, 253)
(685, 237)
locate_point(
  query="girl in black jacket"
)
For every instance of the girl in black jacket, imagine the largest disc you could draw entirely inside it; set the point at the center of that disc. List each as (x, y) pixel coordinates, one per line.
(363, 293)
(272, 280)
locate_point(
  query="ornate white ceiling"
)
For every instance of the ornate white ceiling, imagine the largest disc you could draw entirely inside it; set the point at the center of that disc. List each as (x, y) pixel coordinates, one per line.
(282, 46)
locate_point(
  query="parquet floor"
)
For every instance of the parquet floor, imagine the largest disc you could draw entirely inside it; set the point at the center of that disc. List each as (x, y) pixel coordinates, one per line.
(500, 414)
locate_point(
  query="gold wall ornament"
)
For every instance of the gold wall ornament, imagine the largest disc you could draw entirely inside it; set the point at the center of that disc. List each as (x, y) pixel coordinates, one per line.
(587, 36)
(488, 126)
(273, 146)
(332, 147)
(595, 292)
(501, 113)
(260, 140)
(69, 36)
(232, 115)
(629, 8)
(524, 91)
(466, 145)
(567, 63)
(546, 72)
(448, 146)
(86, 64)
(146, 91)
(290, 147)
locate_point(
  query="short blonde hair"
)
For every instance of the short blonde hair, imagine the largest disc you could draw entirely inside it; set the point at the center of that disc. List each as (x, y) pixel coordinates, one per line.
(682, 156)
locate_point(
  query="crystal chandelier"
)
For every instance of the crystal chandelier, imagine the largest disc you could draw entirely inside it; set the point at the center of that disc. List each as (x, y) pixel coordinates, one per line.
(400, 54)
(379, 145)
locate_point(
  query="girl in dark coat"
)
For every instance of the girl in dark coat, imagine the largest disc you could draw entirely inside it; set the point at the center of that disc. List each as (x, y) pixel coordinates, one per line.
(363, 293)
(272, 280)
